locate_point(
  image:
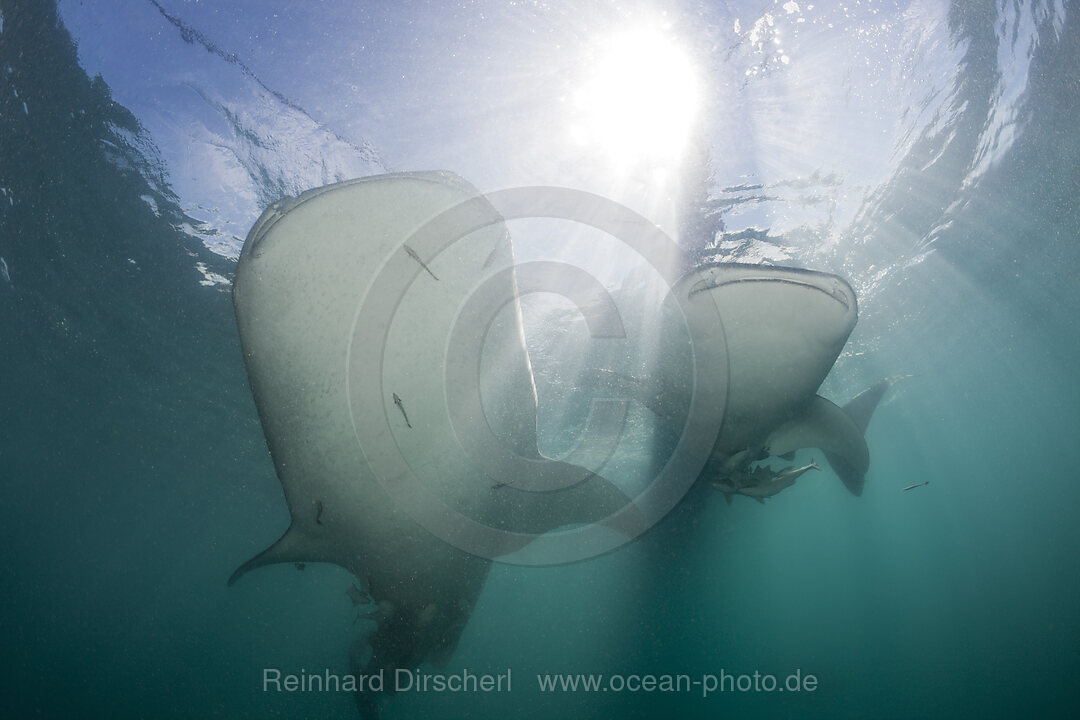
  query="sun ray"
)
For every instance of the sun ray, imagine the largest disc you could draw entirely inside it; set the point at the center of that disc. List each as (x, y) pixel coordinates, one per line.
(639, 101)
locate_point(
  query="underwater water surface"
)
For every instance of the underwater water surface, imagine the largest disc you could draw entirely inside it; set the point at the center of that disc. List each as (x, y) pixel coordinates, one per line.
(927, 152)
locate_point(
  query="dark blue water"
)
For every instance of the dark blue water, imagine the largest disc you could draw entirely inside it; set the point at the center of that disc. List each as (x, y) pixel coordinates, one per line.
(135, 476)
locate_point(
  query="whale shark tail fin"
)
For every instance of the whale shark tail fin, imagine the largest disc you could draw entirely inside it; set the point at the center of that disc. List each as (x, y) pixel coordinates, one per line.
(862, 406)
(860, 409)
(836, 431)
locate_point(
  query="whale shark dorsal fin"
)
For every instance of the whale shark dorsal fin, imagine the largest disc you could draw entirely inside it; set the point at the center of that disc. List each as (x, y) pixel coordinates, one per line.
(826, 426)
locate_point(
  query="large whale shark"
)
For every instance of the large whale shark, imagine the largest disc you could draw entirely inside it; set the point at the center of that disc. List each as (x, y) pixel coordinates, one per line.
(347, 322)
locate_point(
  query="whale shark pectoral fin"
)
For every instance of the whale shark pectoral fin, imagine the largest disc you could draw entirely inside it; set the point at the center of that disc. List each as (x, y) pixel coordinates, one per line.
(292, 546)
(826, 426)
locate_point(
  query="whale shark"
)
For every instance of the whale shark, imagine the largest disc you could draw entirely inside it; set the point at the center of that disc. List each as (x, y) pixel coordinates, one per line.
(783, 329)
(347, 313)
(344, 329)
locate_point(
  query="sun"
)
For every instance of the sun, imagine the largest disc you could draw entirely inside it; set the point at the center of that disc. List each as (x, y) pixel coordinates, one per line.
(639, 100)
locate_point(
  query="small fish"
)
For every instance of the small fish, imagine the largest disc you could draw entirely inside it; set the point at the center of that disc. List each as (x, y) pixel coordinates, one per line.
(4, 271)
(500, 244)
(401, 407)
(300, 566)
(793, 474)
(318, 512)
(909, 487)
(761, 483)
(383, 612)
(358, 595)
(414, 256)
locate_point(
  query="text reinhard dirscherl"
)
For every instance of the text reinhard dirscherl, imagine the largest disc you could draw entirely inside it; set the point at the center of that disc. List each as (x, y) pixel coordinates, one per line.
(467, 681)
(401, 680)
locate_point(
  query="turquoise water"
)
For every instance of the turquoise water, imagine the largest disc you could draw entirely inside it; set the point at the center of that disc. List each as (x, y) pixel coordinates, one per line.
(928, 153)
